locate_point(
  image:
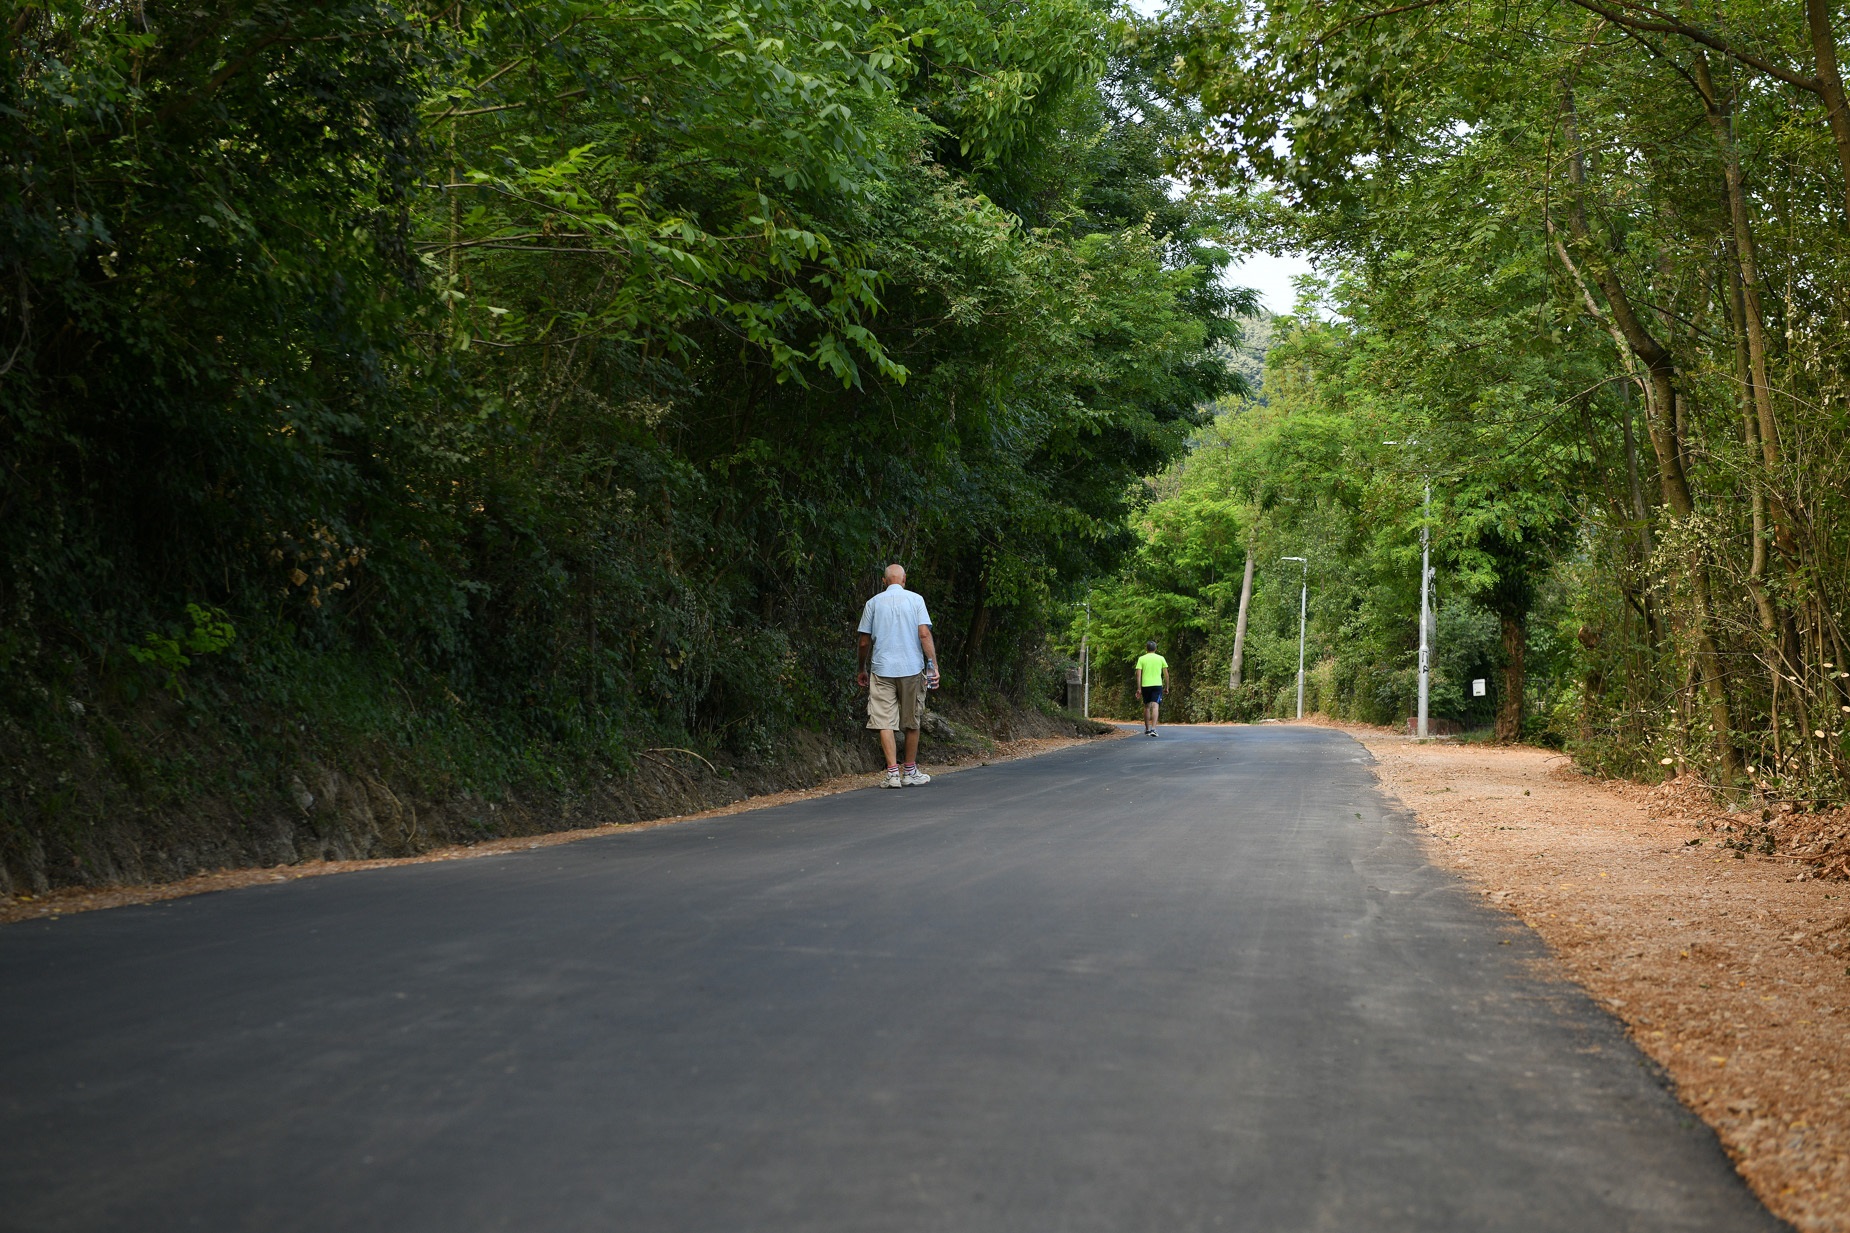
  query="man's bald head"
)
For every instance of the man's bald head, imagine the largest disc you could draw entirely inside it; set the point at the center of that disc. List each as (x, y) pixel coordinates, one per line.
(895, 573)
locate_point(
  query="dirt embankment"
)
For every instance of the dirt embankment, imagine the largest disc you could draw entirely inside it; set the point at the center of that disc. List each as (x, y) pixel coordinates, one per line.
(343, 822)
(1721, 940)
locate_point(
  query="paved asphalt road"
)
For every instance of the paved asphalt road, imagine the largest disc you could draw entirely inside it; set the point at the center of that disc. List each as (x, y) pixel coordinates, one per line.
(1200, 982)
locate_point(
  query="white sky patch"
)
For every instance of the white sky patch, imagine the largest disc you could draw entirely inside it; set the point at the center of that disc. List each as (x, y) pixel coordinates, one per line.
(1271, 276)
(1267, 273)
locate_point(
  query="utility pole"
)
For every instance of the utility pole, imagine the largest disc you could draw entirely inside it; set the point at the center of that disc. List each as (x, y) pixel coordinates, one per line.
(1425, 610)
(1085, 664)
(1303, 612)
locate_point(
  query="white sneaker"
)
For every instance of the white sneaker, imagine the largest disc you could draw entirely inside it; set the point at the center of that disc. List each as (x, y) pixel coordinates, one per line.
(915, 777)
(893, 779)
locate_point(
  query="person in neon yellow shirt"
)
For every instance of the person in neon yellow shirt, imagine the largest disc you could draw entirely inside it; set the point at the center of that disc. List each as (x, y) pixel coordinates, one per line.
(1152, 674)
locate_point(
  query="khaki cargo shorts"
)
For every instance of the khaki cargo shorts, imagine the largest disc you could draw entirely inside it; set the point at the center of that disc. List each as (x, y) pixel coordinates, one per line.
(895, 703)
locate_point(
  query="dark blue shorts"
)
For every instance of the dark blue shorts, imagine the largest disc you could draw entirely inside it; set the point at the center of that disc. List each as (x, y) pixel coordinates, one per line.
(1152, 693)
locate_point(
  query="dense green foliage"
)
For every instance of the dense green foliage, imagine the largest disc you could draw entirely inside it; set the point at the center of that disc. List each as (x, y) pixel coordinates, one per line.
(1316, 468)
(558, 374)
(515, 384)
(1591, 258)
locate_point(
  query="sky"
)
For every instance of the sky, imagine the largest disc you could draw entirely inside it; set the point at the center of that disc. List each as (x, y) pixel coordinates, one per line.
(1271, 276)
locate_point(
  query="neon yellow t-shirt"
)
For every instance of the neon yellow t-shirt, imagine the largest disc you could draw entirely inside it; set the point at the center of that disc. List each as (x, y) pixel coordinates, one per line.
(1151, 665)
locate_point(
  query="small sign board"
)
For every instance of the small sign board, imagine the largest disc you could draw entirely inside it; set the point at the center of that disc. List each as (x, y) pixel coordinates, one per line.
(1477, 687)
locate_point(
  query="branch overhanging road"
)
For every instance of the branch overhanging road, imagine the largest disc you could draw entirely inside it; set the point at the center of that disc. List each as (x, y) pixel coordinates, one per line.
(1201, 982)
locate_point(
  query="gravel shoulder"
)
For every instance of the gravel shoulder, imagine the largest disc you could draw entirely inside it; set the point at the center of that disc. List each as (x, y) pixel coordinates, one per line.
(1729, 968)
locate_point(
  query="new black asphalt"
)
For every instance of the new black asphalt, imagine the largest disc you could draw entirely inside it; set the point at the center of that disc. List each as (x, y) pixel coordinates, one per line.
(1206, 981)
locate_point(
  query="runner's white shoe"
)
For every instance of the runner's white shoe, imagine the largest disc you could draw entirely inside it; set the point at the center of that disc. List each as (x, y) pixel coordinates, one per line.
(914, 777)
(892, 779)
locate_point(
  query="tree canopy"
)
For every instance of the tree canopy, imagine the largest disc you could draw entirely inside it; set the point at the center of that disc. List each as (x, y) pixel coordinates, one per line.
(1586, 255)
(512, 385)
(562, 372)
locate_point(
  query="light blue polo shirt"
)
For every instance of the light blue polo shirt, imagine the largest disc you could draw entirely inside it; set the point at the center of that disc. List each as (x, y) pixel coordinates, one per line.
(893, 617)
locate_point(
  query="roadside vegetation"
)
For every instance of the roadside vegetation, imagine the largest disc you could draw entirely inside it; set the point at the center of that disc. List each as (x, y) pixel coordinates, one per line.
(475, 397)
(1581, 267)
(478, 399)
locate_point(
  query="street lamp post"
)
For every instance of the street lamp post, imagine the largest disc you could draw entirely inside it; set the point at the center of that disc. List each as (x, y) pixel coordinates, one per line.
(1425, 604)
(1425, 610)
(1303, 611)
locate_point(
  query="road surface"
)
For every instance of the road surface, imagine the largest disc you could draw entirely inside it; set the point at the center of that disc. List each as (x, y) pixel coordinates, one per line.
(1200, 982)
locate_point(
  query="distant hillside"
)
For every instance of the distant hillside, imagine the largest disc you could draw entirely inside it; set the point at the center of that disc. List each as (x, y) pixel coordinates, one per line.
(1247, 356)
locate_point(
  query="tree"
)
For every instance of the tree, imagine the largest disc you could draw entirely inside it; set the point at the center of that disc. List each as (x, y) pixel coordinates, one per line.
(1666, 210)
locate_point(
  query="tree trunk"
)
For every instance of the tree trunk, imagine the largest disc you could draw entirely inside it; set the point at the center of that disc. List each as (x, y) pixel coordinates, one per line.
(1750, 436)
(1660, 422)
(1640, 510)
(1239, 627)
(1750, 317)
(979, 625)
(1830, 86)
(1760, 431)
(1509, 706)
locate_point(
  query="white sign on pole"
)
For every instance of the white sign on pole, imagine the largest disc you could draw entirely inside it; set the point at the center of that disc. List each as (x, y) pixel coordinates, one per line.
(1477, 688)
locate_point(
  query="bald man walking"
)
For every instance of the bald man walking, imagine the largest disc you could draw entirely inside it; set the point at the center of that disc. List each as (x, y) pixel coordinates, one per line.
(898, 664)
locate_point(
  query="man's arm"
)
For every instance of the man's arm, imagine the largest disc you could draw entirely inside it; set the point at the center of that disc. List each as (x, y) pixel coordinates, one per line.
(866, 651)
(931, 655)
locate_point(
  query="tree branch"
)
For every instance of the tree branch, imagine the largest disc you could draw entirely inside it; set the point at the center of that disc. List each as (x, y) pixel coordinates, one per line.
(1662, 23)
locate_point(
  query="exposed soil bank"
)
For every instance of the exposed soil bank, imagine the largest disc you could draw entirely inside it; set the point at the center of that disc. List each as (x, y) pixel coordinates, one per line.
(1729, 967)
(368, 826)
